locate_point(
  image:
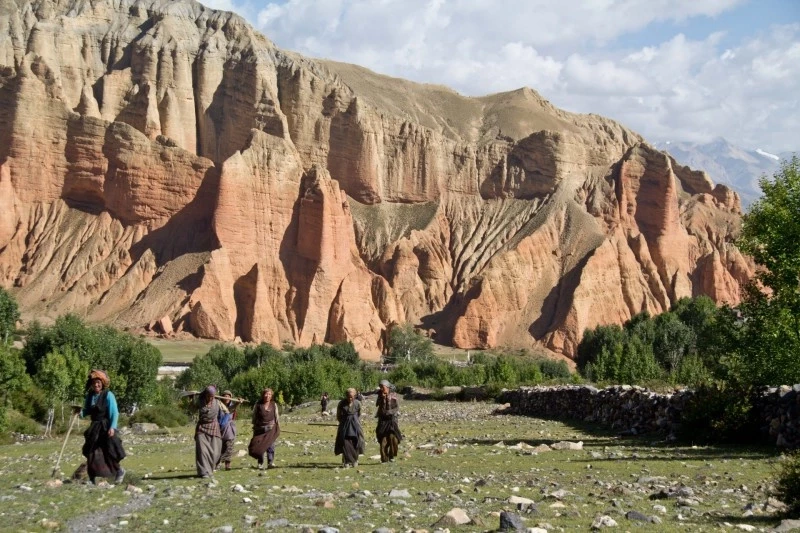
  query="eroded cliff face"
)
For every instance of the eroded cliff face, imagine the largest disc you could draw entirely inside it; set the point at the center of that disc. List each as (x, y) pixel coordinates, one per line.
(161, 164)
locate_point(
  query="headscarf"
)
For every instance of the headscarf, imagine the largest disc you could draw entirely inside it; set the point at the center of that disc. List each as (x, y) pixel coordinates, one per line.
(102, 376)
(385, 383)
(211, 390)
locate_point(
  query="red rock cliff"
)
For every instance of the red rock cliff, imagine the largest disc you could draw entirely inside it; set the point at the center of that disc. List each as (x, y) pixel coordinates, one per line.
(162, 162)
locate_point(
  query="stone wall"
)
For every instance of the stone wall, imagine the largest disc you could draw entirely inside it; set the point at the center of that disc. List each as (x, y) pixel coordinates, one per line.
(635, 410)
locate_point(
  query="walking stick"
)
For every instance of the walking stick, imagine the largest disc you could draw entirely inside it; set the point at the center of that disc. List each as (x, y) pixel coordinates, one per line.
(72, 422)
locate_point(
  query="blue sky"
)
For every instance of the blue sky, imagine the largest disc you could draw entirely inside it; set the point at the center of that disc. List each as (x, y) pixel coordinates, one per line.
(679, 70)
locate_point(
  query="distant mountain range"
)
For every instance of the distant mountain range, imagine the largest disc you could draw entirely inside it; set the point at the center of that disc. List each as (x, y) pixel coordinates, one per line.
(737, 167)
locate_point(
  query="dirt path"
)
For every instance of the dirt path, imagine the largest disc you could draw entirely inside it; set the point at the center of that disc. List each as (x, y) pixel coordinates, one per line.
(101, 519)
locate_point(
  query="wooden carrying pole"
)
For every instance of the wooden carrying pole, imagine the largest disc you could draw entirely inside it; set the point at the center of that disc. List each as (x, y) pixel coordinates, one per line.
(61, 453)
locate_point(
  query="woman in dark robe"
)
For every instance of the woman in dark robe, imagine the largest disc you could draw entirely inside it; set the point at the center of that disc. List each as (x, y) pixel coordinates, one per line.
(388, 431)
(207, 435)
(102, 448)
(349, 437)
(266, 429)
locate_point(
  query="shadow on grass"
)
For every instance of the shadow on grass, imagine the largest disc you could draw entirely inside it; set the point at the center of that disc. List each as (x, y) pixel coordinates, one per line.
(765, 521)
(165, 477)
(329, 466)
(595, 436)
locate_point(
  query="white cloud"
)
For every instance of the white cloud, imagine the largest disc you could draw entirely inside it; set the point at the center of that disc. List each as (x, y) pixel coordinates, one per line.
(682, 88)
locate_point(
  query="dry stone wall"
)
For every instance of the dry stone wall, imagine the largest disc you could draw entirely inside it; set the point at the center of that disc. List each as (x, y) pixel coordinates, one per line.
(635, 410)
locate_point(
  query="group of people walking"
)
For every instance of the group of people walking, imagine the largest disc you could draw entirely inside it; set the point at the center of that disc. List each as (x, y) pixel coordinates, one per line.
(216, 431)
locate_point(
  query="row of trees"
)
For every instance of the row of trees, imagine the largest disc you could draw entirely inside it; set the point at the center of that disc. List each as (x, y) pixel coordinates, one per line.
(303, 374)
(682, 346)
(52, 368)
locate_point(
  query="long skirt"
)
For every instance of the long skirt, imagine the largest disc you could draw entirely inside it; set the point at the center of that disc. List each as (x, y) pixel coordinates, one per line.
(103, 453)
(99, 463)
(350, 450)
(262, 443)
(207, 451)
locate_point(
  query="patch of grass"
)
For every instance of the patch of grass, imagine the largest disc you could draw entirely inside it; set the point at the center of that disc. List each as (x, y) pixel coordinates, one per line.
(450, 457)
(181, 350)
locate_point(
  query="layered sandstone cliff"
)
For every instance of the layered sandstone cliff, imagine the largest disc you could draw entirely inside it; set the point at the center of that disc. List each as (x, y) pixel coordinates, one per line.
(161, 162)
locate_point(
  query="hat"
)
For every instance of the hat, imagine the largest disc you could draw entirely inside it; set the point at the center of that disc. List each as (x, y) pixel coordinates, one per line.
(227, 393)
(101, 375)
(385, 383)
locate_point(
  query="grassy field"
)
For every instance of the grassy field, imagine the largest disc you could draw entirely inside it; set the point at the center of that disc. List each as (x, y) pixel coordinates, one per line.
(181, 350)
(454, 455)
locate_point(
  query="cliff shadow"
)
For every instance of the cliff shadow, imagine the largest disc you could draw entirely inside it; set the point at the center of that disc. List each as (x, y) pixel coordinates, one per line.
(557, 302)
(527, 171)
(190, 230)
(299, 272)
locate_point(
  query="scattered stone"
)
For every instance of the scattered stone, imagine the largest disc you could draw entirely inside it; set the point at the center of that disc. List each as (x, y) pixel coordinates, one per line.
(637, 516)
(276, 523)
(49, 524)
(325, 504)
(399, 493)
(520, 500)
(566, 445)
(746, 527)
(247, 500)
(383, 530)
(142, 428)
(222, 529)
(454, 517)
(604, 521)
(328, 529)
(53, 484)
(787, 525)
(510, 522)
(660, 509)
(239, 488)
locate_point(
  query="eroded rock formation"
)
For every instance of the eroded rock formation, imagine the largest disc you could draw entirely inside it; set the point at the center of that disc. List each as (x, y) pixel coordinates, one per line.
(163, 164)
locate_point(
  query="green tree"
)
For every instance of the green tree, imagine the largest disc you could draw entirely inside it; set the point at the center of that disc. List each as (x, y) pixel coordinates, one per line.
(405, 344)
(593, 344)
(13, 378)
(140, 368)
(771, 306)
(9, 315)
(345, 352)
(262, 354)
(673, 340)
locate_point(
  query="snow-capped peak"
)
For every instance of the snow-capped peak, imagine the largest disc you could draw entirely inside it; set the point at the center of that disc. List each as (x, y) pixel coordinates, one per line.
(761, 152)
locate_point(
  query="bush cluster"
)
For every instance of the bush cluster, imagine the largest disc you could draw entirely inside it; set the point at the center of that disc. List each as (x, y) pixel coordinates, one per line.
(303, 374)
(59, 358)
(678, 346)
(165, 416)
(300, 375)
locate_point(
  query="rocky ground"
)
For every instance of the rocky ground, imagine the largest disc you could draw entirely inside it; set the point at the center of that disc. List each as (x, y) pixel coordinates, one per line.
(459, 463)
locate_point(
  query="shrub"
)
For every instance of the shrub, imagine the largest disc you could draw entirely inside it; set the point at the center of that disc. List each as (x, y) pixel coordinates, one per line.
(788, 485)
(165, 416)
(553, 369)
(720, 412)
(19, 423)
